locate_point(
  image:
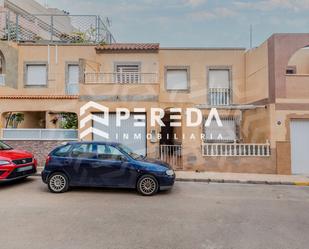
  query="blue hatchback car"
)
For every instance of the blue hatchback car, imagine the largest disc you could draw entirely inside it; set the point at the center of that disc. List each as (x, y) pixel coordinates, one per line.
(102, 164)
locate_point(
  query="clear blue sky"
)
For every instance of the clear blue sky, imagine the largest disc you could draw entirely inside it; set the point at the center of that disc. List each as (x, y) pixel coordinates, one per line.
(195, 23)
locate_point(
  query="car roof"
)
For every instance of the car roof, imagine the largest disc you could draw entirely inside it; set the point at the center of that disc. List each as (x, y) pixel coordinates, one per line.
(94, 142)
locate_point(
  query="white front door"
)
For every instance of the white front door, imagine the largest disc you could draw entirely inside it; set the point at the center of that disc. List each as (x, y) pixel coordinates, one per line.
(300, 146)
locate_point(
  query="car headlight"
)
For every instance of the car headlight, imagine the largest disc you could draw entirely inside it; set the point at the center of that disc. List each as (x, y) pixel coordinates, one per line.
(4, 162)
(170, 172)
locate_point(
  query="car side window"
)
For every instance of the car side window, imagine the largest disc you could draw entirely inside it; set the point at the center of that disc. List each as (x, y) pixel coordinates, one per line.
(108, 152)
(63, 151)
(83, 151)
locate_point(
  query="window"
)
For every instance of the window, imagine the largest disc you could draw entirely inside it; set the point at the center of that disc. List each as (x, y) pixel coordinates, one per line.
(219, 92)
(107, 152)
(177, 79)
(62, 151)
(36, 75)
(226, 133)
(128, 74)
(83, 151)
(73, 79)
(291, 70)
(219, 78)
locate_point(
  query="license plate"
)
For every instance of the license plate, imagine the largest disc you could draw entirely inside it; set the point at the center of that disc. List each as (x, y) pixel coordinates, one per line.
(24, 169)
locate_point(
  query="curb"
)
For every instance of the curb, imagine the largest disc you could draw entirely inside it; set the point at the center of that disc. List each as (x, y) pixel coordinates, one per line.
(242, 182)
(209, 180)
(301, 183)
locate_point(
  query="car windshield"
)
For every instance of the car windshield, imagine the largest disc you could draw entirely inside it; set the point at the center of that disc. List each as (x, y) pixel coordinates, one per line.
(129, 151)
(4, 146)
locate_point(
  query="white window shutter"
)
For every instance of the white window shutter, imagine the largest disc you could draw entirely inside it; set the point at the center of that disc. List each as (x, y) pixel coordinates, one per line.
(36, 75)
(73, 74)
(176, 79)
(225, 133)
(219, 78)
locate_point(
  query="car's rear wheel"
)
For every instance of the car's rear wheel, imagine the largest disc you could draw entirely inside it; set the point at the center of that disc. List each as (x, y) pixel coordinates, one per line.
(58, 183)
(147, 185)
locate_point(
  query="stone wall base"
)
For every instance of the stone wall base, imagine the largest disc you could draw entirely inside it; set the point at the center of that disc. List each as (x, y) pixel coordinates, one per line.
(40, 149)
(264, 165)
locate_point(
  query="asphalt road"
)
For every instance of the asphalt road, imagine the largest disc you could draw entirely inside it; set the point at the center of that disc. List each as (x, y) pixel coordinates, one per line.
(192, 215)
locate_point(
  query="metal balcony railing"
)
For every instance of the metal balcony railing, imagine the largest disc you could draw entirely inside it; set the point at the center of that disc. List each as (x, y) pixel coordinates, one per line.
(236, 149)
(54, 28)
(219, 96)
(121, 78)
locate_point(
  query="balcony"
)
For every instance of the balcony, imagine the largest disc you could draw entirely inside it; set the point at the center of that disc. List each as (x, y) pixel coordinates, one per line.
(297, 86)
(58, 28)
(121, 86)
(121, 78)
(219, 96)
(2, 79)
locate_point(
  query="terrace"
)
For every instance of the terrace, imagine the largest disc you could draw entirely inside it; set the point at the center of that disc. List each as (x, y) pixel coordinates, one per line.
(60, 28)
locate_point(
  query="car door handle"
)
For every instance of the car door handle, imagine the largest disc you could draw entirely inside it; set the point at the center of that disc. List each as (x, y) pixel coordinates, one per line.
(96, 165)
(66, 162)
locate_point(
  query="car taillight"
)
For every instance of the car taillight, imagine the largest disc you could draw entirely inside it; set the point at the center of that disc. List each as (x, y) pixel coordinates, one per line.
(48, 158)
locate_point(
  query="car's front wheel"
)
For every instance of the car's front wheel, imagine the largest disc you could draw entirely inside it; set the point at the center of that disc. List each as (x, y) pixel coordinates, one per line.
(58, 183)
(147, 185)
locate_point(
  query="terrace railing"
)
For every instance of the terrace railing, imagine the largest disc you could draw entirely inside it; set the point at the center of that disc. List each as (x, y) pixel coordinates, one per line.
(39, 134)
(121, 78)
(54, 28)
(236, 149)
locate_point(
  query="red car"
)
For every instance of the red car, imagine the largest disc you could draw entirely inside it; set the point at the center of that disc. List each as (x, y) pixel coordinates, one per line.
(15, 164)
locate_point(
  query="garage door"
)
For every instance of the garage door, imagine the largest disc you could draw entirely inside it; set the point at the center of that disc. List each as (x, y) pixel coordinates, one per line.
(127, 134)
(300, 146)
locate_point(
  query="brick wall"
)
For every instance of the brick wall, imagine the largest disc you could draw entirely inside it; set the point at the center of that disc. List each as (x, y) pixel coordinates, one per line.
(40, 149)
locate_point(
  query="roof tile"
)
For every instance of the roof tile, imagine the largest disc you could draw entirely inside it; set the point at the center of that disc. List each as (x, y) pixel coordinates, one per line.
(39, 96)
(128, 47)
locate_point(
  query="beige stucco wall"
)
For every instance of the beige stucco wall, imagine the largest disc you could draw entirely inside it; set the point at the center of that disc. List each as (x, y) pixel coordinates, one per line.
(282, 130)
(297, 86)
(198, 61)
(31, 120)
(301, 60)
(256, 125)
(59, 56)
(256, 84)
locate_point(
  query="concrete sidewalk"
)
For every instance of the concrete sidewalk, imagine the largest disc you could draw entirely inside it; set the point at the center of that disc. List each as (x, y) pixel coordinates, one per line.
(192, 176)
(299, 180)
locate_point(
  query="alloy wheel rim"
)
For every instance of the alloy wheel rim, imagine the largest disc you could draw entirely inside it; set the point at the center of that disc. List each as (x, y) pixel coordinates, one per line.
(148, 186)
(57, 183)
